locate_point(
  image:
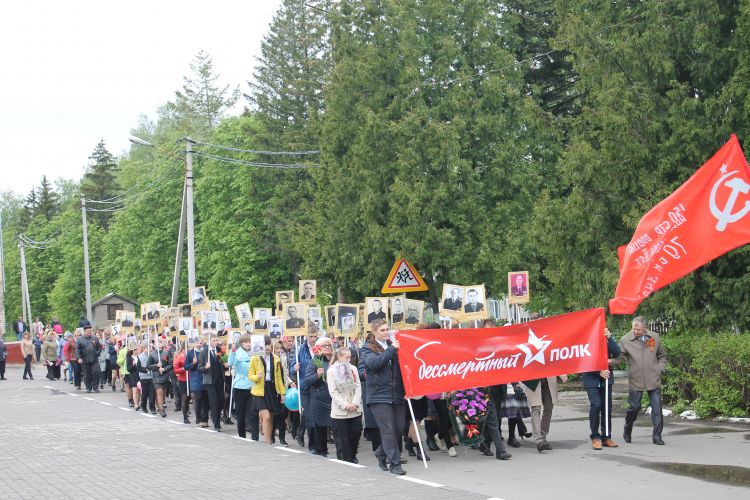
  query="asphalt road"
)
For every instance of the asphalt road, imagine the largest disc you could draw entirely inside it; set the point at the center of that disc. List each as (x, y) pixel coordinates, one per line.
(56, 442)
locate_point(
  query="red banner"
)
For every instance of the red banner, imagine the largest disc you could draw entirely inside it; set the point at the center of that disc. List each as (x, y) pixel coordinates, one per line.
(434, 361)
(703, 219)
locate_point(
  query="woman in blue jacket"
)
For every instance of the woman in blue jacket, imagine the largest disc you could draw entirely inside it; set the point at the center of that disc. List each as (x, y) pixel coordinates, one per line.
(197, 393)
(239, 359)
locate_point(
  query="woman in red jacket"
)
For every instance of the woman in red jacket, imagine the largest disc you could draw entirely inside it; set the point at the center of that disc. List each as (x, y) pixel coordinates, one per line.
(181, 374)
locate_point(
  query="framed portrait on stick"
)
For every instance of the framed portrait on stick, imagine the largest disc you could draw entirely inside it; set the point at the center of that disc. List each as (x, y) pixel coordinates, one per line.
(397, 311)
(283, 297)
(308, 290)
(414, 314)
(275, 328)
(209, 322)
(347, 319)
(331, 319)
(518, 287)
(199, 299)
(261, 315)
(126, 320)
(244, 314)
(295, 319)
(375, 308)
(452, 301)
(475, 303)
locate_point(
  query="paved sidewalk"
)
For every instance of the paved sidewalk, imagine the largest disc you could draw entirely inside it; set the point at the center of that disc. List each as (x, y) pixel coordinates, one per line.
(56, 442)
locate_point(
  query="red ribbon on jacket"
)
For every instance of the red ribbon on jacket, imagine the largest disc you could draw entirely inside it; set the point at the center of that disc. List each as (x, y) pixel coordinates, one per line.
(704, 218)
(434, 361)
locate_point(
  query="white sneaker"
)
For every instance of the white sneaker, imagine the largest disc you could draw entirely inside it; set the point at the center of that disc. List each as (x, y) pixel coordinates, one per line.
(441, 444)
(452, 452)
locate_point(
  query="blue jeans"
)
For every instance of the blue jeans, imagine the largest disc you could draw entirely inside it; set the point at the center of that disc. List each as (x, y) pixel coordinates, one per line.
(634, 403)
(596, 412)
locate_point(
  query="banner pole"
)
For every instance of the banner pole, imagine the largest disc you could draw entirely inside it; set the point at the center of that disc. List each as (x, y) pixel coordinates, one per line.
(296, 362)
(416, 430)
(606, 406)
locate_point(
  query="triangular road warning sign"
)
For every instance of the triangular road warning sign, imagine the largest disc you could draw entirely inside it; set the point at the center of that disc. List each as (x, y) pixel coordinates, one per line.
(403, 278)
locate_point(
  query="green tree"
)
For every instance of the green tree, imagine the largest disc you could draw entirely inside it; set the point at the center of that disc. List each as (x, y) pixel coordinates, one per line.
(100, 183)
(48, 201)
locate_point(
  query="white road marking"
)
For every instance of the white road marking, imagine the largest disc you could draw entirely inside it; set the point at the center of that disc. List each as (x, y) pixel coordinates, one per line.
(88, 398)
(173, 422)
(105, 403)
(358, 466)
(47, 387)
(287, 449)
(420, 481)
(71, 394)
(124, 409)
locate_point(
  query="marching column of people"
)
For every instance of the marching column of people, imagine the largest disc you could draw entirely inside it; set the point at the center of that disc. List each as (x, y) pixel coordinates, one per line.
(339, 388)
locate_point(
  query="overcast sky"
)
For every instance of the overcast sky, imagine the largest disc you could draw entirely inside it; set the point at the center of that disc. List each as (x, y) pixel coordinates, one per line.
(78, 71)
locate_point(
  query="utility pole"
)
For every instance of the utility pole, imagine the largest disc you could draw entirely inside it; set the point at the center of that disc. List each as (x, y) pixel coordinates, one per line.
(86, 259)
(25, 300)
(190, 220)
(180, 244)
(2, 285)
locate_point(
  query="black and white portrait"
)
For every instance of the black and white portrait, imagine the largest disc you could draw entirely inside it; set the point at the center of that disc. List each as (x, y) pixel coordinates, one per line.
(474, 299)
(331, 317)
(186, 324)
(283, 297)
(307, 290)
(209, 321)
(262, 315)
(185, 310)
(243, 313)
(275, 328)
(198, 298)
(296, 316)
(453, 297)
(414, 312)
(397, 310)
(347, 315)
(377, 308)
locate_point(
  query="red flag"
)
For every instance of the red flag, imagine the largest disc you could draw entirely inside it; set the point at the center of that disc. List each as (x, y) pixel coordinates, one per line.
(434, 361)
(704, 218)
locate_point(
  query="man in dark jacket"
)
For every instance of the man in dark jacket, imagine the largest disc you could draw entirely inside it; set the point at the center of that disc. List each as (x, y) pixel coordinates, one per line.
(210, 366)
(594, 383)
(19, 327)
(305, 356)
(88, 348)
(385, 393)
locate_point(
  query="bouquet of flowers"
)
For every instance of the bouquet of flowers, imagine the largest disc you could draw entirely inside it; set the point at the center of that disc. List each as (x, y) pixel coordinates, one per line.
(318, 359)
(468, 410)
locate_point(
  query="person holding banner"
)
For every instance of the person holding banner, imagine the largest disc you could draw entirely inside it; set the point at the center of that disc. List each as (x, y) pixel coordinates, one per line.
(594, 383)
(542, 396)
(239, 359)
(385, 393)
(646, 363)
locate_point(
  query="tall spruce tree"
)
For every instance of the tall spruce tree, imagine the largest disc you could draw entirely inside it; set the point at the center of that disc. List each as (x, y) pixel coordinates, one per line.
(100, 183)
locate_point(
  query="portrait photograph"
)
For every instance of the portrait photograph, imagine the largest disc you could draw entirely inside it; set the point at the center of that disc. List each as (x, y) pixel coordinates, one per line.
(198, 298)
(185, 310)
(331, 318)
(308, 289)
(414, 312)
(209, 321)
(474, 304)
(233, 337)
(131, 342)
(518, 287)
(275, 328)
(453, 299)
(295, 318)
(116, 329)
(163, 311)
(126, 320)
(174, 324)
(313, 312)
(192, 336)
(185, 325)
(283, 297)
(223, 325)
(376, 308)
(347, 318)
(243, 313)
(257, 345)
(213, 305)
(261, 315)
(397, 310)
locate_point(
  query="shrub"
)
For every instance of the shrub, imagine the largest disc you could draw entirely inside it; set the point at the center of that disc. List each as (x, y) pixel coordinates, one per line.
(711, 371)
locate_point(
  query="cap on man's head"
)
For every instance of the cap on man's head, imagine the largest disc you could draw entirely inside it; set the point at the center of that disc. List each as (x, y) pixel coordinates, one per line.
(86, 324)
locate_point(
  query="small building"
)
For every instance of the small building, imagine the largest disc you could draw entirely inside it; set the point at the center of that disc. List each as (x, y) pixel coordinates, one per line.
(105, 309)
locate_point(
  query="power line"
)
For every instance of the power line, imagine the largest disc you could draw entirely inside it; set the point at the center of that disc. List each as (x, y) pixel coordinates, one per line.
(282, 166)
(142, 184)
(257, 151)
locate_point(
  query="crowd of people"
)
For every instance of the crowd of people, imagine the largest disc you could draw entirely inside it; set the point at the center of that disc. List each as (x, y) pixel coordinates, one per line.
(330, 391)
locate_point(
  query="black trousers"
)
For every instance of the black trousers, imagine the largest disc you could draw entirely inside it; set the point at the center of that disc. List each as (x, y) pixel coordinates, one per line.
(253, 422)
(106, 377)
(279, 422)
(76, 373)
(346, 433)
(634, 403)
(320, 440)
(2, 369)
(200, 401)
(182, 398)
(50, 370)
(241, 397)
(27, 366)
(215, 401)
(294, 418)
(305, 399)
(91, 374)
(148, 394)
(390, 420)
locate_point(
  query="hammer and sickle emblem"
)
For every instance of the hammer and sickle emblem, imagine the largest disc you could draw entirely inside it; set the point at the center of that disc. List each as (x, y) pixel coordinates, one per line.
(726, 216)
